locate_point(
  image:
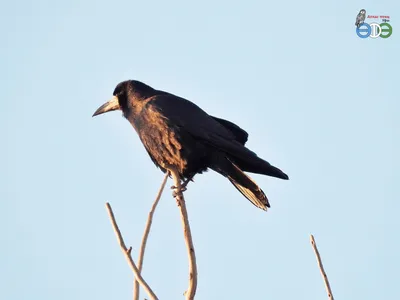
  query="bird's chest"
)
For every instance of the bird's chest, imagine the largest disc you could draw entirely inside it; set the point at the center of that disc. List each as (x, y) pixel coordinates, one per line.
(161, 139)
(169, 143)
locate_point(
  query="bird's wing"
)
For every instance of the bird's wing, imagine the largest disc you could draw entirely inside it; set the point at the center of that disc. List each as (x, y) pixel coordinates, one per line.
(190, 118)
(240, 134)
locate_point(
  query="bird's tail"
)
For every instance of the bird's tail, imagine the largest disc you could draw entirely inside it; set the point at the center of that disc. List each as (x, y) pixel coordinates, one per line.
(255, 164)
(243, 183)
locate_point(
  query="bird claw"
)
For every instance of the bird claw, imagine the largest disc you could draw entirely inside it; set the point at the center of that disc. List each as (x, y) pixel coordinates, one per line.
(178, 192)
(183, 188)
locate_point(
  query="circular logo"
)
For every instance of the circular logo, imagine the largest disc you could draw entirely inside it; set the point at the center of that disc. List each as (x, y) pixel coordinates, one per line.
(374, 30)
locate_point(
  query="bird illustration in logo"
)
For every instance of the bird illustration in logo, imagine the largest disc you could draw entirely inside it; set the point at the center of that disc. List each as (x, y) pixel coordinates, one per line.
(360, 18)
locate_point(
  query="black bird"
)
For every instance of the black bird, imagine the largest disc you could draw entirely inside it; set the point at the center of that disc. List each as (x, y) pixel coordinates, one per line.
(176, 132)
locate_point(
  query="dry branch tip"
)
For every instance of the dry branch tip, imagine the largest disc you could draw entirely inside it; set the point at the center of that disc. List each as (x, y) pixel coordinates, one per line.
(127, 254)
(321, 268)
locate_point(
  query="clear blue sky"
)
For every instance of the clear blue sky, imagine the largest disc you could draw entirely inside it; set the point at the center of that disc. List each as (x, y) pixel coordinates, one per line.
(317, 101)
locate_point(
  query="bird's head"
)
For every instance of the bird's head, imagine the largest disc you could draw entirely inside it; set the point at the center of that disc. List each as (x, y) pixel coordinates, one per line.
(363, 11)
(125, 95)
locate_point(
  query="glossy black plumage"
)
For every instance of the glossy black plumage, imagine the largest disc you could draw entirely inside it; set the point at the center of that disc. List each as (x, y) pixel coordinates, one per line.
(177, 132)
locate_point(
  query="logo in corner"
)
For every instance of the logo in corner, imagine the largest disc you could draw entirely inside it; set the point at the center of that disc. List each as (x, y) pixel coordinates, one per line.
(360, 18)
(373, 29)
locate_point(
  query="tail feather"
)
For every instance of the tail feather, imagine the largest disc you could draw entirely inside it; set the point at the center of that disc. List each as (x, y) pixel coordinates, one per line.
(244, 184)
(257, 165)
(256, 197)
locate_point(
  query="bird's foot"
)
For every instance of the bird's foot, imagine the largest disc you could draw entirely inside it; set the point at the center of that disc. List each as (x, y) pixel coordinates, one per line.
(177, 191)
(183, 185)
(182, 189)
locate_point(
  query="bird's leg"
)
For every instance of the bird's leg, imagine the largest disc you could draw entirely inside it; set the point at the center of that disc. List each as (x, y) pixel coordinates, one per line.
(184, 184)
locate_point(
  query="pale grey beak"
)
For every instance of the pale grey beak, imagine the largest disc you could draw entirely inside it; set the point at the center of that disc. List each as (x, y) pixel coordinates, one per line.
(113, 104)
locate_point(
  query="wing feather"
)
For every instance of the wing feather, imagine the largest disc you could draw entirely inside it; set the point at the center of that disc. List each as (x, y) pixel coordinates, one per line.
(188, 117)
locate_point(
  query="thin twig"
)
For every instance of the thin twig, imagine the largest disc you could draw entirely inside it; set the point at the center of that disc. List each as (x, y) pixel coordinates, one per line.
(191, 291)
(146, 235)
(127, 253)
(321, 268)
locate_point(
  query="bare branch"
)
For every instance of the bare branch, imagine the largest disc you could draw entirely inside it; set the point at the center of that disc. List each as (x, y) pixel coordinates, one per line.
(146, 235)
(321, 268)
(180, 200)
(127, 253)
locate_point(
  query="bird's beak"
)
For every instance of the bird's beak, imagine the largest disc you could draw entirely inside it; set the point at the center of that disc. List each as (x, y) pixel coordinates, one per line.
(113, 104)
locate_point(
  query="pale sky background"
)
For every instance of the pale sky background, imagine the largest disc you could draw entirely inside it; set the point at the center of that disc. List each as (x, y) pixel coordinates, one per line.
(317, 101)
